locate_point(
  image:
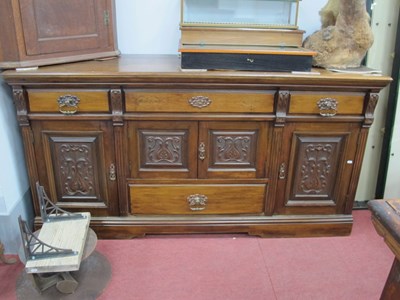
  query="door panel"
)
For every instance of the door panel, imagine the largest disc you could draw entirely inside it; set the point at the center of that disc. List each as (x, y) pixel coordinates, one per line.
(316, 168)
(79, 164)
(232, 149)
(163, 149)
(62, 26)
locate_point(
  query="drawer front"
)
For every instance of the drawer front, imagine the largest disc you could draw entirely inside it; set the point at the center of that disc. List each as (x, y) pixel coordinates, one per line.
(68, 101)
(229, 102)
(326, 104)
(170, 199)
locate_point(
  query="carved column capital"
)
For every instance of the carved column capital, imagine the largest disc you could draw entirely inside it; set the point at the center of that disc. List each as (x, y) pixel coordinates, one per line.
(370, 104)
(116, 107)
(20, 104)
(281, 107)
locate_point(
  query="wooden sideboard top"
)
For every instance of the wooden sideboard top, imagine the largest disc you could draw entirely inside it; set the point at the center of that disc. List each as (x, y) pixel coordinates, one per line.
(166, 69)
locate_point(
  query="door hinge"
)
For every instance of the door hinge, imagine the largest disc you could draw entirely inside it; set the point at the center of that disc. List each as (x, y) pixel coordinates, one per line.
(106, 17)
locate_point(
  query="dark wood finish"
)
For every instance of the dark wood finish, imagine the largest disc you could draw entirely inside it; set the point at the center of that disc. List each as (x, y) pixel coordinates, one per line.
(77, 162)
(317, 166)
(386, 219)
(40, 32)
(163, 149)
(197, 152)
(233, 149)
(246, 62)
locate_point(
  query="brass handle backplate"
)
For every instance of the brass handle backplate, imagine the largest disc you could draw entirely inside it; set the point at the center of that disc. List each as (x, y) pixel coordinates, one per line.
(200, 101)
(197, 202)
(282, 171)
(68, 104)
(202, 151)
(112, 174)
(327, 107)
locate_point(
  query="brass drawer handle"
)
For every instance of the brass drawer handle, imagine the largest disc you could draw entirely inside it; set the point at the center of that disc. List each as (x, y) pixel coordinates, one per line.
(197, 202)
(200, 101)
(327, 107)
(202, 151)
(68, 104)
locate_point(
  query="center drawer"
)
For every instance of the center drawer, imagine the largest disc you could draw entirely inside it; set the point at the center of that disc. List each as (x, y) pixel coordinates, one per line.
(199, 101)
(181, 199)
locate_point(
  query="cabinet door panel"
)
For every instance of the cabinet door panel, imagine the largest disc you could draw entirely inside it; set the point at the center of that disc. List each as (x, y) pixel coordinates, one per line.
(232, 149)
(315, 174)
(163, 149)
(77, 165)
(63, 26)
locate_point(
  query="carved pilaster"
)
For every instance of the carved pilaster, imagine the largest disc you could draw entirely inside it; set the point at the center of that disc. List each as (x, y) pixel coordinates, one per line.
(282, 105)
(370, 104)
(120, 162)
(20, 104)
(117, 107)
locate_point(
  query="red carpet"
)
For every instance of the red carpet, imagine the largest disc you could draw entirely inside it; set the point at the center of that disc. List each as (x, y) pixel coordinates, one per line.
(228, 267)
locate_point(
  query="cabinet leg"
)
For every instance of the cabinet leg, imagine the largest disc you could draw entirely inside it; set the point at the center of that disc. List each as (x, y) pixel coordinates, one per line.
(392, 286)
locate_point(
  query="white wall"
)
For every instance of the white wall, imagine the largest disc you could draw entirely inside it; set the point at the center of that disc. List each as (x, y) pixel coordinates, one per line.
(152, 26)
(14, 188)
(380, 56)
(392, 188)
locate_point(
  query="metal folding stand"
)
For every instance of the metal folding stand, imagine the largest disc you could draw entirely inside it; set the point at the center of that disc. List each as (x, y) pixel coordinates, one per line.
(46, 256)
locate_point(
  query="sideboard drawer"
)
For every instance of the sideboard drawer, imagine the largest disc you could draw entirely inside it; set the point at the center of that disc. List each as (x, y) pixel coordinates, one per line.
(313, 103)
(224, 102)
(178, 199)
(68, 101)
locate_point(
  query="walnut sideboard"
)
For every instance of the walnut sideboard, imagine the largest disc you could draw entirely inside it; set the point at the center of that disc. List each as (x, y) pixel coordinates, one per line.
(147, 148)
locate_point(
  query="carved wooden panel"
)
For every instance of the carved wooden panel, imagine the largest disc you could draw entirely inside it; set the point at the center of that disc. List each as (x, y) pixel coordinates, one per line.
(233, 150)
(317, 165)
(77, 165)
(163, 149)
(236, 149)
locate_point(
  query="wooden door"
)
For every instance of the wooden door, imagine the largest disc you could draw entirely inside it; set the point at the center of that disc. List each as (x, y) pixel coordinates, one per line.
(76, 165)
(232, 149)
(54, 26)
(317, 163)
(163, 149)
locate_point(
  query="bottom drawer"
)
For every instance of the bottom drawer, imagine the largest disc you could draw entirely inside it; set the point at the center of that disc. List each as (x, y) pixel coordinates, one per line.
(177, 199)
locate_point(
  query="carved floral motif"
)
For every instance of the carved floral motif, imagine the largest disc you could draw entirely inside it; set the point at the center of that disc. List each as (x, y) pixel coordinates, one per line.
(76, 169)
(316, 167)
(233, 149)
(163, 149)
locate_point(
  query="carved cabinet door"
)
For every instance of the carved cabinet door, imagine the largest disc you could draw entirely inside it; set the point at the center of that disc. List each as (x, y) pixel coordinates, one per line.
(316, 167)
(76, 165)
(162, 149)
(232, 149)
